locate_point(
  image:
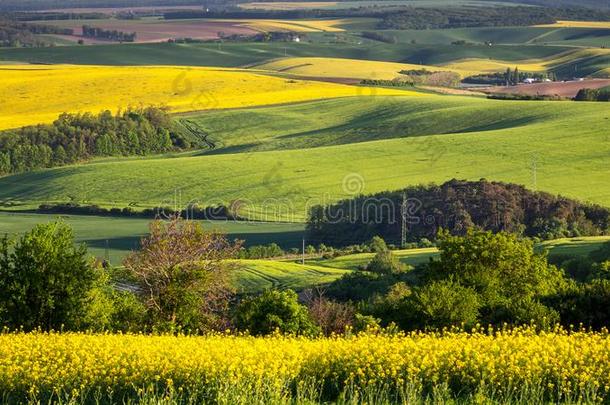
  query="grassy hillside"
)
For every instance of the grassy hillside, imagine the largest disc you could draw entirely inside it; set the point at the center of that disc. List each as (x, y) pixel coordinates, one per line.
(258, 275)
(575, 247)
(412, 257)
(334, 122)
(80, 89)
(467, 138)
(241, 54)
(116, 237)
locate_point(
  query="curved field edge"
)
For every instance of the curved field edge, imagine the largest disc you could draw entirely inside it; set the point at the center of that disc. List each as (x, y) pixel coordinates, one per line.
(88, 89)
(562, 148)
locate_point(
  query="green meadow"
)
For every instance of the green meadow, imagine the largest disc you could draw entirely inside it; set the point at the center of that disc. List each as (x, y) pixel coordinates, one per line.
(244, 54)
(114, 238)
(258, 275)
(278, 161)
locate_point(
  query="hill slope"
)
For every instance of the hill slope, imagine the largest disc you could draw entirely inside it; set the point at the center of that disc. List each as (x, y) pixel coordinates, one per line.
(561, 147)
(88, 89)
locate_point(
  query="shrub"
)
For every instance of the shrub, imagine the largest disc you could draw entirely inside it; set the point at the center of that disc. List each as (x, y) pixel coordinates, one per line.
(274, 311)
(183, 274)
(44, 279)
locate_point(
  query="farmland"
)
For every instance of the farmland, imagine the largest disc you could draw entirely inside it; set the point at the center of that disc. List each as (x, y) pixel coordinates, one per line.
(234, 370)
(114, 238)
(409, 235)
(155, 30)
(345, 68)
(259, 275)
(303, 152)
(181, 89)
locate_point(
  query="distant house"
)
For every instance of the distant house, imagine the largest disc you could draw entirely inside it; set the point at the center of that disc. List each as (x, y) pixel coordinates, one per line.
(296, 39)
(529, 80)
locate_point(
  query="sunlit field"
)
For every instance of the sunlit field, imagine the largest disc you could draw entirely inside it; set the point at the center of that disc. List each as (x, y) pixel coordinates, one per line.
(39, 94)
(519, 366)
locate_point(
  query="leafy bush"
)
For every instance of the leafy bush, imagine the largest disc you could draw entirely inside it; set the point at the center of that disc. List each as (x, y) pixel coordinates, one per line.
(274, 311)
(183, 274)
(44, 278)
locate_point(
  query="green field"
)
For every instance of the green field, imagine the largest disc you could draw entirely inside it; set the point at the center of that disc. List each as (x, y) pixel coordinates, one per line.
(278, 161)
(116, 237)
(258, 275)
(411, 257)
(243, 54)
(574, 246)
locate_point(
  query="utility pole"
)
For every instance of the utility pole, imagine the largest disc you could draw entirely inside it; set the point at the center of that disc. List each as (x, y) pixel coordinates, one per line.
(403, 217)
(303, 255)
(107, 252)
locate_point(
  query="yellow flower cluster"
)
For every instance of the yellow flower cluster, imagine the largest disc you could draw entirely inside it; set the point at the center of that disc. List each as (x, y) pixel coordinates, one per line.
(554, 365)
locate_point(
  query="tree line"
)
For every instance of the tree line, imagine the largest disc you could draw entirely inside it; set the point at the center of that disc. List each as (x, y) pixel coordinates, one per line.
(456, 206)
(480, 278)
(180, 281)
(17, 34)
(593, 94)
(511, 77)
(112, 35)
(460, 17)
(79, 137)
(418, 18)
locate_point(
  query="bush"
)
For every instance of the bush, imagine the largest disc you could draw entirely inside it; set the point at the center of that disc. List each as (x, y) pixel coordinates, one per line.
(274, 311)
(182, 271)
(443, 304)
(385, 262)
(331, 316)
(44, 278)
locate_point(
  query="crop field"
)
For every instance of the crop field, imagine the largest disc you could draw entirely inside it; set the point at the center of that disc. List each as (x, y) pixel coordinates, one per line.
(302, 154)
(347, 68)
(259, 275)
(181, 89)
(250, 53)
(502, 367)
(155, 30)
(303, 5)
(114, 238)
(412, 257)
(563, 89)
(580, 24)
(574, 246)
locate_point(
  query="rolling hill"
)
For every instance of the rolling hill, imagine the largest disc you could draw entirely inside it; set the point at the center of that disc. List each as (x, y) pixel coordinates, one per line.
(280, 160)
(88, 89)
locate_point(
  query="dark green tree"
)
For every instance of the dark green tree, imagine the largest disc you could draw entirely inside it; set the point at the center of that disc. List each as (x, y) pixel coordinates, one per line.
(44, 279)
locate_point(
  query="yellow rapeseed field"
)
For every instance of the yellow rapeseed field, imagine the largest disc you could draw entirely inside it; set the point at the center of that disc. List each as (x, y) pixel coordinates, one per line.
(550, 366)
(38, 94)
(290, 25)
(348, 68)
(578, 24)
(287, 5)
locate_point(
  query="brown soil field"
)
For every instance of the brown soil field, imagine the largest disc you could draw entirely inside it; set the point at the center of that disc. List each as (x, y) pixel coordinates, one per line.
(158, 30)
(562, 89)
(115, 10)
